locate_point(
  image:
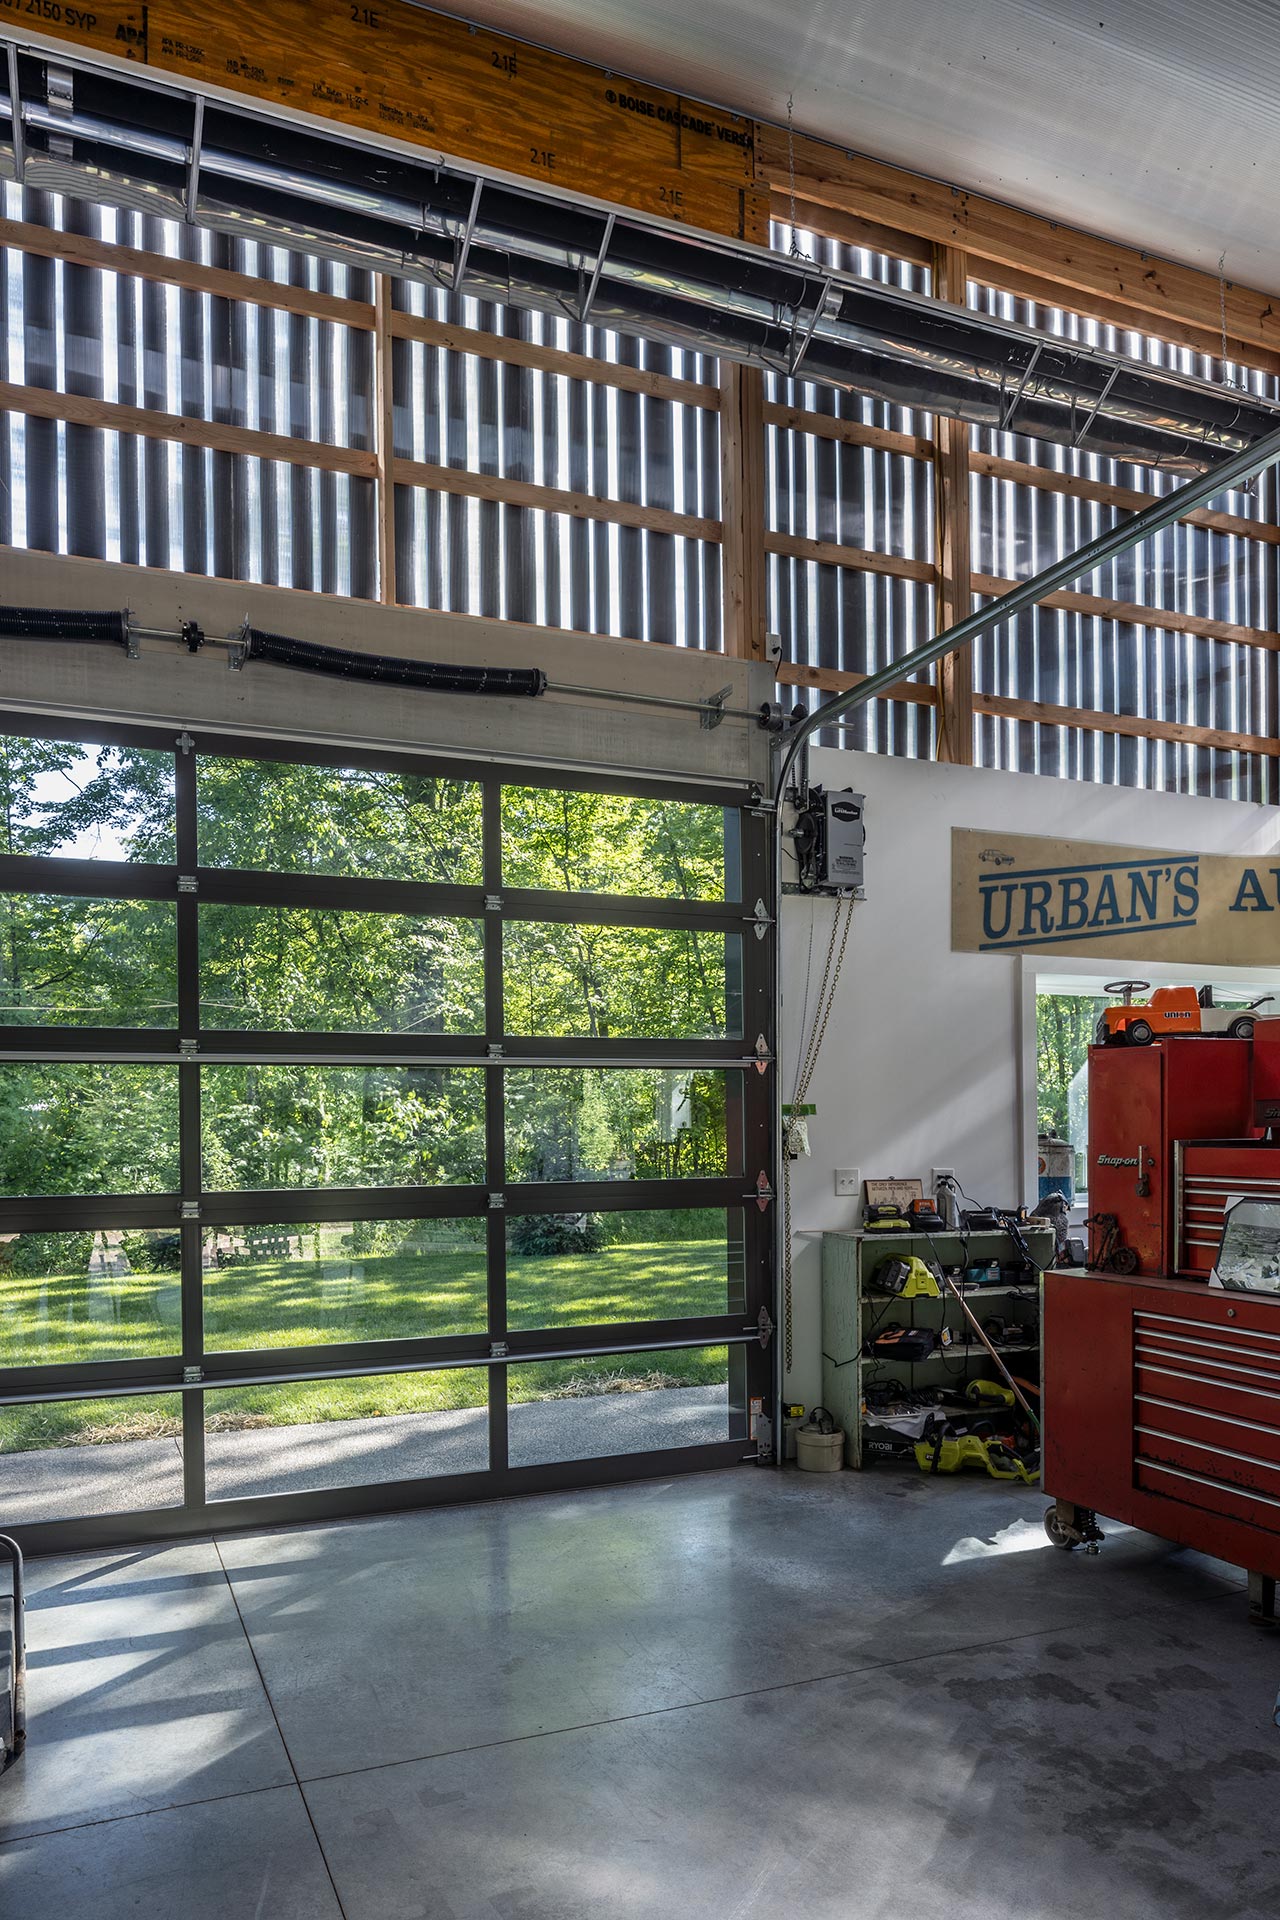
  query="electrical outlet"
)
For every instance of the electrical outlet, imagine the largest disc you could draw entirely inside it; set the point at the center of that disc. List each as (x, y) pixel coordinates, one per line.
(940, 1174)
(848, 1182)
(944, 1196)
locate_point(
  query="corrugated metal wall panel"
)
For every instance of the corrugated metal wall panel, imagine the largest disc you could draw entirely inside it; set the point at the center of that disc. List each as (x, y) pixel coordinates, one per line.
(113, 495)
(117, 496)
(109, 495)
(520, 563)
(1081, 661)
(854, 496)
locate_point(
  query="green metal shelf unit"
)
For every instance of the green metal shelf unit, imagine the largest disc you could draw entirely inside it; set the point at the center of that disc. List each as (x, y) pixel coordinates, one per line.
(853, 1313)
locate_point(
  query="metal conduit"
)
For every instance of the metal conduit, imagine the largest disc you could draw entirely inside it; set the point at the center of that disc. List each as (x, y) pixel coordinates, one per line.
(450, 226)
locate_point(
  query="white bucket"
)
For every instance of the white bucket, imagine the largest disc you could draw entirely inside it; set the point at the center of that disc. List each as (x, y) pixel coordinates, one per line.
(819, 1452)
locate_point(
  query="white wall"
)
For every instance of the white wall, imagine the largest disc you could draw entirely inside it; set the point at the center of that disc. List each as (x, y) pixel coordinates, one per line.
(922, 1065)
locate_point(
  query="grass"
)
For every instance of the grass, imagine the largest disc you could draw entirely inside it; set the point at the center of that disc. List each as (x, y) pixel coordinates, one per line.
(280, 1302)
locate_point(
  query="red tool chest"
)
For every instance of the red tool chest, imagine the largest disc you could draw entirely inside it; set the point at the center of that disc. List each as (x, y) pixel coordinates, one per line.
(1144, 1102)
(1162, 1410)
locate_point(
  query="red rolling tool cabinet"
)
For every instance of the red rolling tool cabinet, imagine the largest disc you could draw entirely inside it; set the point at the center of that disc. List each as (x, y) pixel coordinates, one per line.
(1162, 1410)
(1161, 1404)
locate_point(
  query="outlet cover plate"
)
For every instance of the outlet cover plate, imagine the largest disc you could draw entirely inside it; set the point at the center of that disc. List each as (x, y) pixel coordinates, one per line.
(848, 1182)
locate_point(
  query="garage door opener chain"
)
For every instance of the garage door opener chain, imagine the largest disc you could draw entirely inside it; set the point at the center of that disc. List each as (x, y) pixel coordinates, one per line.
(804, 1079)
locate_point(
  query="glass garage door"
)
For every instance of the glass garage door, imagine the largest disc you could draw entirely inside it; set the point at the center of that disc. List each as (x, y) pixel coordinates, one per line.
(372, 1132)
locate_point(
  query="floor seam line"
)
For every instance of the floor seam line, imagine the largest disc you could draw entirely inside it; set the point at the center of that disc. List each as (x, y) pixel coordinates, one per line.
(262, 1682)
(688, 1706)
(143, 1813)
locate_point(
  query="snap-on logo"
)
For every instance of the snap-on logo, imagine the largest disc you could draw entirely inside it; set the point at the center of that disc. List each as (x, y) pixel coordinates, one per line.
(1117, 1160)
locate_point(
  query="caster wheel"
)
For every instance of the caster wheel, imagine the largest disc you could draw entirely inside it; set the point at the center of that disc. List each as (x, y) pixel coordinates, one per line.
(1054, 1528)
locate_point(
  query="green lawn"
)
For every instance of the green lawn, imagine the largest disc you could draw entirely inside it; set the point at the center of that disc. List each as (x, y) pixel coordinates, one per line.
(289, 1302)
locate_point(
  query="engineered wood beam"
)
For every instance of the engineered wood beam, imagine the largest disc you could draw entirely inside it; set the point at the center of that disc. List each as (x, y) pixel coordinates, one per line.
(988, 231)
(742, 508)
(954, 597)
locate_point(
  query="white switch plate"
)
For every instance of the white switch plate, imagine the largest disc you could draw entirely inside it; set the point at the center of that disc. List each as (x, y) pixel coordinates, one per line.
(847, 1181)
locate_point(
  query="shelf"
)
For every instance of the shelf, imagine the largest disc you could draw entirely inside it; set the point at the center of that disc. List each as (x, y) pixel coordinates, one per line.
(965, 1349)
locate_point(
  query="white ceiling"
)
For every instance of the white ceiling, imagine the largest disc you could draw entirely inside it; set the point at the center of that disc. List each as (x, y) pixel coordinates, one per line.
(1154, 121)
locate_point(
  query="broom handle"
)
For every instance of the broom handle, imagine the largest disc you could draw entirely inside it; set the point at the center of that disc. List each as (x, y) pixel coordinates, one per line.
(971, 1317)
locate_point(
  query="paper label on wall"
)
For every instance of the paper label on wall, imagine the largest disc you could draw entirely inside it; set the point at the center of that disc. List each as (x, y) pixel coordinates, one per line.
(1019, 893)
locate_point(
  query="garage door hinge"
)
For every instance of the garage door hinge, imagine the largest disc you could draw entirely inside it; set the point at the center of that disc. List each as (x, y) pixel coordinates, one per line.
(188, 1049)
(763, 1054)
(763, 1192)
(493, 903)
(494, 1051)
(497, 1201)
(498, 1350)
(762, 920)
(763, 1327)
(187, 883)
(189, 1210)
(192, 1376)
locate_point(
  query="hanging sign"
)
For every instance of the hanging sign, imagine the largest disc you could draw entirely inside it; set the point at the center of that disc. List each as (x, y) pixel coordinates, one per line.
(1015, 893)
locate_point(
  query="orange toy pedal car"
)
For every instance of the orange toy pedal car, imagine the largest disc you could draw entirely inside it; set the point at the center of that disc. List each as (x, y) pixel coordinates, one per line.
(1169, 1010)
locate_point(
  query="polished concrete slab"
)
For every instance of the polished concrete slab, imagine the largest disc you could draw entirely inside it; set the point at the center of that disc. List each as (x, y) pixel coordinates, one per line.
(535, 1615)
(871, 1697)
(254, 1857)
(143, 1689)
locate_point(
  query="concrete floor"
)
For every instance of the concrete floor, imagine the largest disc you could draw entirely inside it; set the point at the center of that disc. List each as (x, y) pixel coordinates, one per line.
(723, 1696)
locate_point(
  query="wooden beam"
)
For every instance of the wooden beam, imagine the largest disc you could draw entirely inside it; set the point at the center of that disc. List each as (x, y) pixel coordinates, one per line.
(1133, 613)
(384, 432)
(954, 599)
(574, 366)
(987, 230)
(859, 559)
(80, 250)
(524, 493)
(825, 426)
(742, 508)
(445, 86)
(1040, 713)
(1095, 306)
(835, 680)
(84, 411)
(1047, 480)
(832, 224)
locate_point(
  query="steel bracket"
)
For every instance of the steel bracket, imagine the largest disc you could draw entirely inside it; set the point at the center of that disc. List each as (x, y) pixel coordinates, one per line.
(762, 920)
(712, 709)
(189, 1210)
(762, 1193)
(187, 883)
(192, 1376)
(497, 1202)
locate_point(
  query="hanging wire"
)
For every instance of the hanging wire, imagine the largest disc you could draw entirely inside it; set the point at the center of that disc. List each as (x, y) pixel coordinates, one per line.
(797, 251)
(809, 1057)
(1228, 379)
